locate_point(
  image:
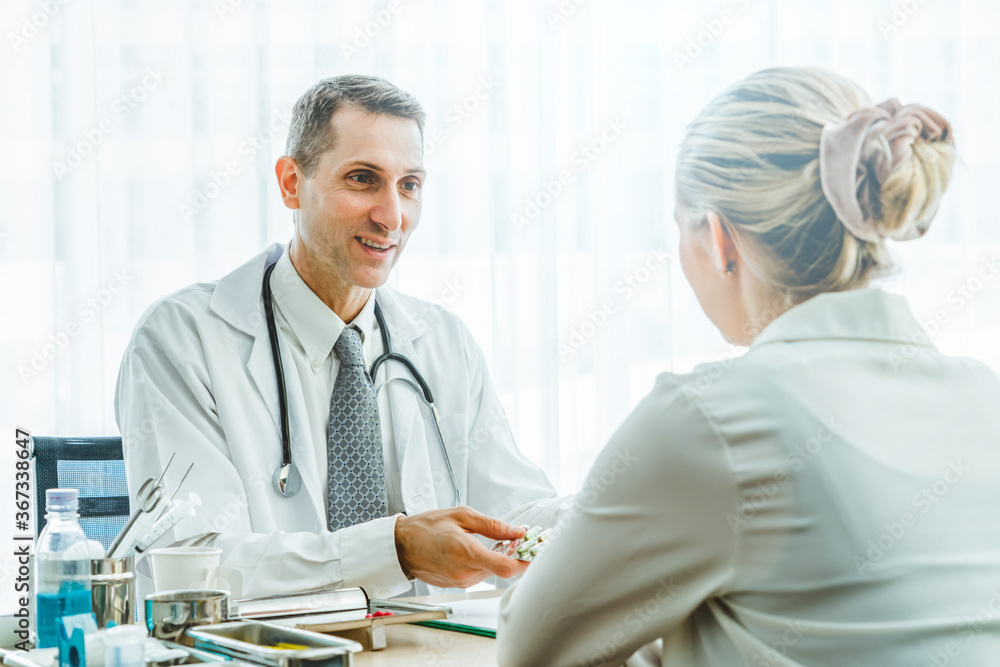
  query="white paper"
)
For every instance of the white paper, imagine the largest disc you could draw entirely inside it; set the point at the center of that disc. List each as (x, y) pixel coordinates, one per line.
(482, 613)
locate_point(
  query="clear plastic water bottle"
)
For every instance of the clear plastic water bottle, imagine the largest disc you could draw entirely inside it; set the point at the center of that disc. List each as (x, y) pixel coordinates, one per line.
(62, 567)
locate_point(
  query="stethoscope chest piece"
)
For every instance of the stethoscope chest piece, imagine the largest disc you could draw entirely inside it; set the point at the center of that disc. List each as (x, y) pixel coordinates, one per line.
(287, 480)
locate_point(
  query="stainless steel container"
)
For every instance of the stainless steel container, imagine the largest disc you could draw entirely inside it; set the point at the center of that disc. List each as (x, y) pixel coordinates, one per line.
(170, 613)
(275, 645)
(112, 590)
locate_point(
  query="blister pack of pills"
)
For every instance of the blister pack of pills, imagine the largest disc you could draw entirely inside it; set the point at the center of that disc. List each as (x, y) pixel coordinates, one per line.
(527, 547)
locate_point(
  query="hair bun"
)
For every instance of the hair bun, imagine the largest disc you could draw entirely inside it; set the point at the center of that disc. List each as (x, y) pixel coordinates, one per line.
(860, 160)
(909, 198)
(759, 156)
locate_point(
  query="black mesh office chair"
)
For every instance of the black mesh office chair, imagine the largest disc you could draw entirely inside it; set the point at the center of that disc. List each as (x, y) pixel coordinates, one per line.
(94, 466)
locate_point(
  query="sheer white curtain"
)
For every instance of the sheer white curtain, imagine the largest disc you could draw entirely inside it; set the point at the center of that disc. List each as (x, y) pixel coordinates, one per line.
(140, 140)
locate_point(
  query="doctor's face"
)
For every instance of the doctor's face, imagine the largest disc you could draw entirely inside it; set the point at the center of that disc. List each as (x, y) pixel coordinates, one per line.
(357, 210)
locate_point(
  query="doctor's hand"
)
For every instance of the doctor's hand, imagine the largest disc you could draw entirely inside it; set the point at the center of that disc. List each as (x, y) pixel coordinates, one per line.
(439, 547)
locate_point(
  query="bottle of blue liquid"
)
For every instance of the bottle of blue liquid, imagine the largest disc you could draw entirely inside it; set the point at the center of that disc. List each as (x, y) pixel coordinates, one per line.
(62, 567)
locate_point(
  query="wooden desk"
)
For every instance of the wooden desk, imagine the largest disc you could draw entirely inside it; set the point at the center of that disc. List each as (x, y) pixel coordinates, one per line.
(415, 646)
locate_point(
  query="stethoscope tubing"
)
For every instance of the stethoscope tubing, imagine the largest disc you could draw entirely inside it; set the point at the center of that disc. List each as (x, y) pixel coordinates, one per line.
(287, 480)
(279, 372)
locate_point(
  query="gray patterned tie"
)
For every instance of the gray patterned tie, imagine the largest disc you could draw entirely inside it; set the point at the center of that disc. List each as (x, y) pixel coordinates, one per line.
(356, 473)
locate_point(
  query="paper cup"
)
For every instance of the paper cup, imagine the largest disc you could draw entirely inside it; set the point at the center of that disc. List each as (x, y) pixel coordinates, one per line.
(185, 568)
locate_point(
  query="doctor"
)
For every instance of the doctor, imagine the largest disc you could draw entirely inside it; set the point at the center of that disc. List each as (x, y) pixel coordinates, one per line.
(354, 482)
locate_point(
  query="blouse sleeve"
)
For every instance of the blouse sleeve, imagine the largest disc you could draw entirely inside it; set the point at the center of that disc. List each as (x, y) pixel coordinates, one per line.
(646, 542)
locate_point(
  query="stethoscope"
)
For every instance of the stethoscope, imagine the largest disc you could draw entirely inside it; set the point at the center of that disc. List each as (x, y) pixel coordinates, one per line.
(287, 480)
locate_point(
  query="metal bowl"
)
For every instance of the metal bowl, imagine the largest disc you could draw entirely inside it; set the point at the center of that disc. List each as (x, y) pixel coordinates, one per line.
(170, 613)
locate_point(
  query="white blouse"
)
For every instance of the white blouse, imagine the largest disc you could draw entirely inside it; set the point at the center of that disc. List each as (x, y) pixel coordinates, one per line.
(829, 498)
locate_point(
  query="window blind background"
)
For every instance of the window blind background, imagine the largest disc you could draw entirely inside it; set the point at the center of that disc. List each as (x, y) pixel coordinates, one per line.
(140, 140)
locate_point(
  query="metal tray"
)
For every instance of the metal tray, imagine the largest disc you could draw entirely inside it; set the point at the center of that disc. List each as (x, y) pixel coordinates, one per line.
(357, 623)
(255, 641)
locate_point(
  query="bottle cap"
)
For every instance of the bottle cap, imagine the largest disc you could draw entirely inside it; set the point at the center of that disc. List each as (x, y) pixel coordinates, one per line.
(62, 499)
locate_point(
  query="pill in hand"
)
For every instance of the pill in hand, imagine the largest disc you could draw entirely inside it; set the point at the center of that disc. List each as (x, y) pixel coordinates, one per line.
(525, 548)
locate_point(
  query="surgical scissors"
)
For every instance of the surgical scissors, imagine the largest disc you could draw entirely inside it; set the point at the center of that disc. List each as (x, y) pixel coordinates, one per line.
(146, 500)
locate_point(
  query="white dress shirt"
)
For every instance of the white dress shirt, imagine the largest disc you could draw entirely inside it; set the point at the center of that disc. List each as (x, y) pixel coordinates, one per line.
(310, 330)
(829, 498)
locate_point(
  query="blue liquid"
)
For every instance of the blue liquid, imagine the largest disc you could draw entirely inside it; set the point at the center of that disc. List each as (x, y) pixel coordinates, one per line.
(52, 606)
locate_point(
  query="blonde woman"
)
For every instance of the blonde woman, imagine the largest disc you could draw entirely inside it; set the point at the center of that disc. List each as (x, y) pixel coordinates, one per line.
(832, 496)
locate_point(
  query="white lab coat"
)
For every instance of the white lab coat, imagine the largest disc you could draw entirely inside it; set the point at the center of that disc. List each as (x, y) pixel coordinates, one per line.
(828, 498)
(198, 381)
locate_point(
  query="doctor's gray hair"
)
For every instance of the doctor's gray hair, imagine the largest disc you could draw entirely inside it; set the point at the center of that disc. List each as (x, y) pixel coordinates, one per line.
(310, 133)
(752, 157)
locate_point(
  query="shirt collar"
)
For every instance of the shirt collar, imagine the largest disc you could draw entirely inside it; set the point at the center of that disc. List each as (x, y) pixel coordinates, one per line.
(861, 314)
(314, 324)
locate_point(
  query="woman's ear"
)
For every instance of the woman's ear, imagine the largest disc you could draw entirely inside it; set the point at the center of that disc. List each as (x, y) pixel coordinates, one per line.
(723, 250)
